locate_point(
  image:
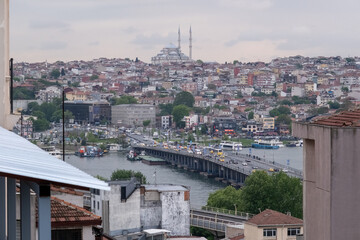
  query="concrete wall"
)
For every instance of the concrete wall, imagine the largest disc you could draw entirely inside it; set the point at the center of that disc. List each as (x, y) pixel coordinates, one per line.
(331, 179)
(151, 210)
(71, 198)
(175, 213)
(123, 215)
(87, 233)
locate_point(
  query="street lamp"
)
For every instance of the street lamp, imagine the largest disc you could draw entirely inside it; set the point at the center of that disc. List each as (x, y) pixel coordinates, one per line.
(235, 209)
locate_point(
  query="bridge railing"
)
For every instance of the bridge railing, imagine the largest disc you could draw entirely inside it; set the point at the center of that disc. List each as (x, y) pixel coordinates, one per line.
(210, 223)
(227, 211)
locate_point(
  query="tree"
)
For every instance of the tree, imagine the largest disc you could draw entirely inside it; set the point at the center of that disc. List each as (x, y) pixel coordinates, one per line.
(62, 72)
(251, 115)
(94, 77)
(68, 115)
(123, 100)
(121, 174)
(146, 123)
(184, 98)
(55, 73)
(178, 113)
(261, 191)
(190, 137)
(40, 125)
(211, 86)
(166, 109)
(334, 105)
(283, 118)
(21, 93)
(345, 89)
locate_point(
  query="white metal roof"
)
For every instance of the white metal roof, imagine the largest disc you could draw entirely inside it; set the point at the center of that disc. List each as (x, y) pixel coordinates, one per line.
(21, 158)
(156, 231)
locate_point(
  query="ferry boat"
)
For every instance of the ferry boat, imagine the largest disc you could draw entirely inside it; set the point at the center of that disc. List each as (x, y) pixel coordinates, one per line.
(89, 151)
(267, 144)
(231, 146)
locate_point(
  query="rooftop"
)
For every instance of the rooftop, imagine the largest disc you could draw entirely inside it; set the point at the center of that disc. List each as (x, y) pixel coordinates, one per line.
(165, 188)
(271, 217)
(66, 214)
(21, 159)
(342, 119)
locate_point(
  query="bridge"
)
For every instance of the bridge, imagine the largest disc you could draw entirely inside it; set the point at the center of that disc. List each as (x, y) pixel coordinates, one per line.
(216, 219)
(229, 171)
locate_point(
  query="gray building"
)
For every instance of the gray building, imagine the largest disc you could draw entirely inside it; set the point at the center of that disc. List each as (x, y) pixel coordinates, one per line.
(131, 115)
(331, 176)
(128, 209)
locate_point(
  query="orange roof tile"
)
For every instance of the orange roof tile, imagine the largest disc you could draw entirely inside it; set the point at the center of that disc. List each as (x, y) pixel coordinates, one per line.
(66, 190)
(271, 217)
(66, 214)
(342, 119)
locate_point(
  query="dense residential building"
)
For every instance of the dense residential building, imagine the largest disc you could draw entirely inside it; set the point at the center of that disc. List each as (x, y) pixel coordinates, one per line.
(132, 114)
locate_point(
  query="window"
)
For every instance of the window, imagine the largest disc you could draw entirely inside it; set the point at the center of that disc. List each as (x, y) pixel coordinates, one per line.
(293, 231)
(98, 205)
(270, 232)
(70, 234)
(94, 204)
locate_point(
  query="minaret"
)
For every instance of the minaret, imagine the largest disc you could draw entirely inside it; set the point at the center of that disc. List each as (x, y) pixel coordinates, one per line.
(190, 45)
(179, 39)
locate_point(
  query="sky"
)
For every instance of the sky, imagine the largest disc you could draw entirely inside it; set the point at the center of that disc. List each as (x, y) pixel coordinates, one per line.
(222, 30)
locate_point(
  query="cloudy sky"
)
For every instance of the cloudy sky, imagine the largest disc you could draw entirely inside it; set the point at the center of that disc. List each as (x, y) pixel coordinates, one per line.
(223, 30)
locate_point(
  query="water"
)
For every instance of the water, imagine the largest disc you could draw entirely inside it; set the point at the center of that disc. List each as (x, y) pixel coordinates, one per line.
(200, 187)
(281, 155)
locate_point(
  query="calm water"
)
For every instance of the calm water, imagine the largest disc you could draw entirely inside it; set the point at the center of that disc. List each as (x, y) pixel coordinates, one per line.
(200, 187)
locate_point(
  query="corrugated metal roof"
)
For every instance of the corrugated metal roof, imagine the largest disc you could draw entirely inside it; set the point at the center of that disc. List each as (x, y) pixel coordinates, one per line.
(20, 157)
(342, 119)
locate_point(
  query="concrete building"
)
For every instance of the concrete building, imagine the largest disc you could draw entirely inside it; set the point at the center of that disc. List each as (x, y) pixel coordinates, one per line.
(132, 114)
(166, 121)
(48, 94)
(129, 208)
(331, 176)
(167, 207)
(270, 224)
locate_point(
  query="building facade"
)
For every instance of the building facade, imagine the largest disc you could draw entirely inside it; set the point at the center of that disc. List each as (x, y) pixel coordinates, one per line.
(331, 176)
(131, 115)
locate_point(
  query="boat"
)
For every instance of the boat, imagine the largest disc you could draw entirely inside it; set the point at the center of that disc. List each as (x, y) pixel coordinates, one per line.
(131, 156)
(53, 151)
(267, 144)
(295, 144)
(231, 146)
(89, 151)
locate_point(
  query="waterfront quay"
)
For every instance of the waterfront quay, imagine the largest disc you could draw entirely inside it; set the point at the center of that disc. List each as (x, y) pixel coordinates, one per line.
(233, 170)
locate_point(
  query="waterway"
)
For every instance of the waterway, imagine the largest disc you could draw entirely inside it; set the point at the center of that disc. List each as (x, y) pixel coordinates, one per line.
(200, 187)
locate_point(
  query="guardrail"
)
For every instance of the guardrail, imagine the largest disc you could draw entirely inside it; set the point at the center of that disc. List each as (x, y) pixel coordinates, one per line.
(227, 211)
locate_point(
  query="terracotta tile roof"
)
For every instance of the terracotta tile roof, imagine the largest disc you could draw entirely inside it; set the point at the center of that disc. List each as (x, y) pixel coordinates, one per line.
(271, 217)
(342, 119)
(66, 214)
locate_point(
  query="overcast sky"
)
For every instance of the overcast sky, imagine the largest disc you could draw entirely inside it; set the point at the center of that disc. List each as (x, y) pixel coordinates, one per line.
(223, 30)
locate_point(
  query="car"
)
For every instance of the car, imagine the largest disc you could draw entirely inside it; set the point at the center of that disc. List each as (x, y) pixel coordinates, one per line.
(285, 170)
(189, 151)
(244, 164)
(198, 151)
(271, 170)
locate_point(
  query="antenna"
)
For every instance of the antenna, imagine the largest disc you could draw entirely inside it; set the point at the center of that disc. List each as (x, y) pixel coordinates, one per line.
(190, 45)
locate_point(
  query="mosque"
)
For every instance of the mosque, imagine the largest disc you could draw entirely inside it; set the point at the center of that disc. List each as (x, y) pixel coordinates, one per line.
(173, 54)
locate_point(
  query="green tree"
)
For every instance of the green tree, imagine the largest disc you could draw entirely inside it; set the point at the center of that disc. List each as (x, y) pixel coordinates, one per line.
(184, 98)
(334, 105)
(166, 109)
(345, 89)
(94, 77)
(68, 115)
(40, 125)
(146, 123)
(283, 118)
(190, 137)
(21, 93)
(251, 115)
(33, 106)
(262, 191)
(56, 116)
(91, 138)
(123, 100)
(55, 73)
(121, 174)
(225, 198)
(178, 113)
